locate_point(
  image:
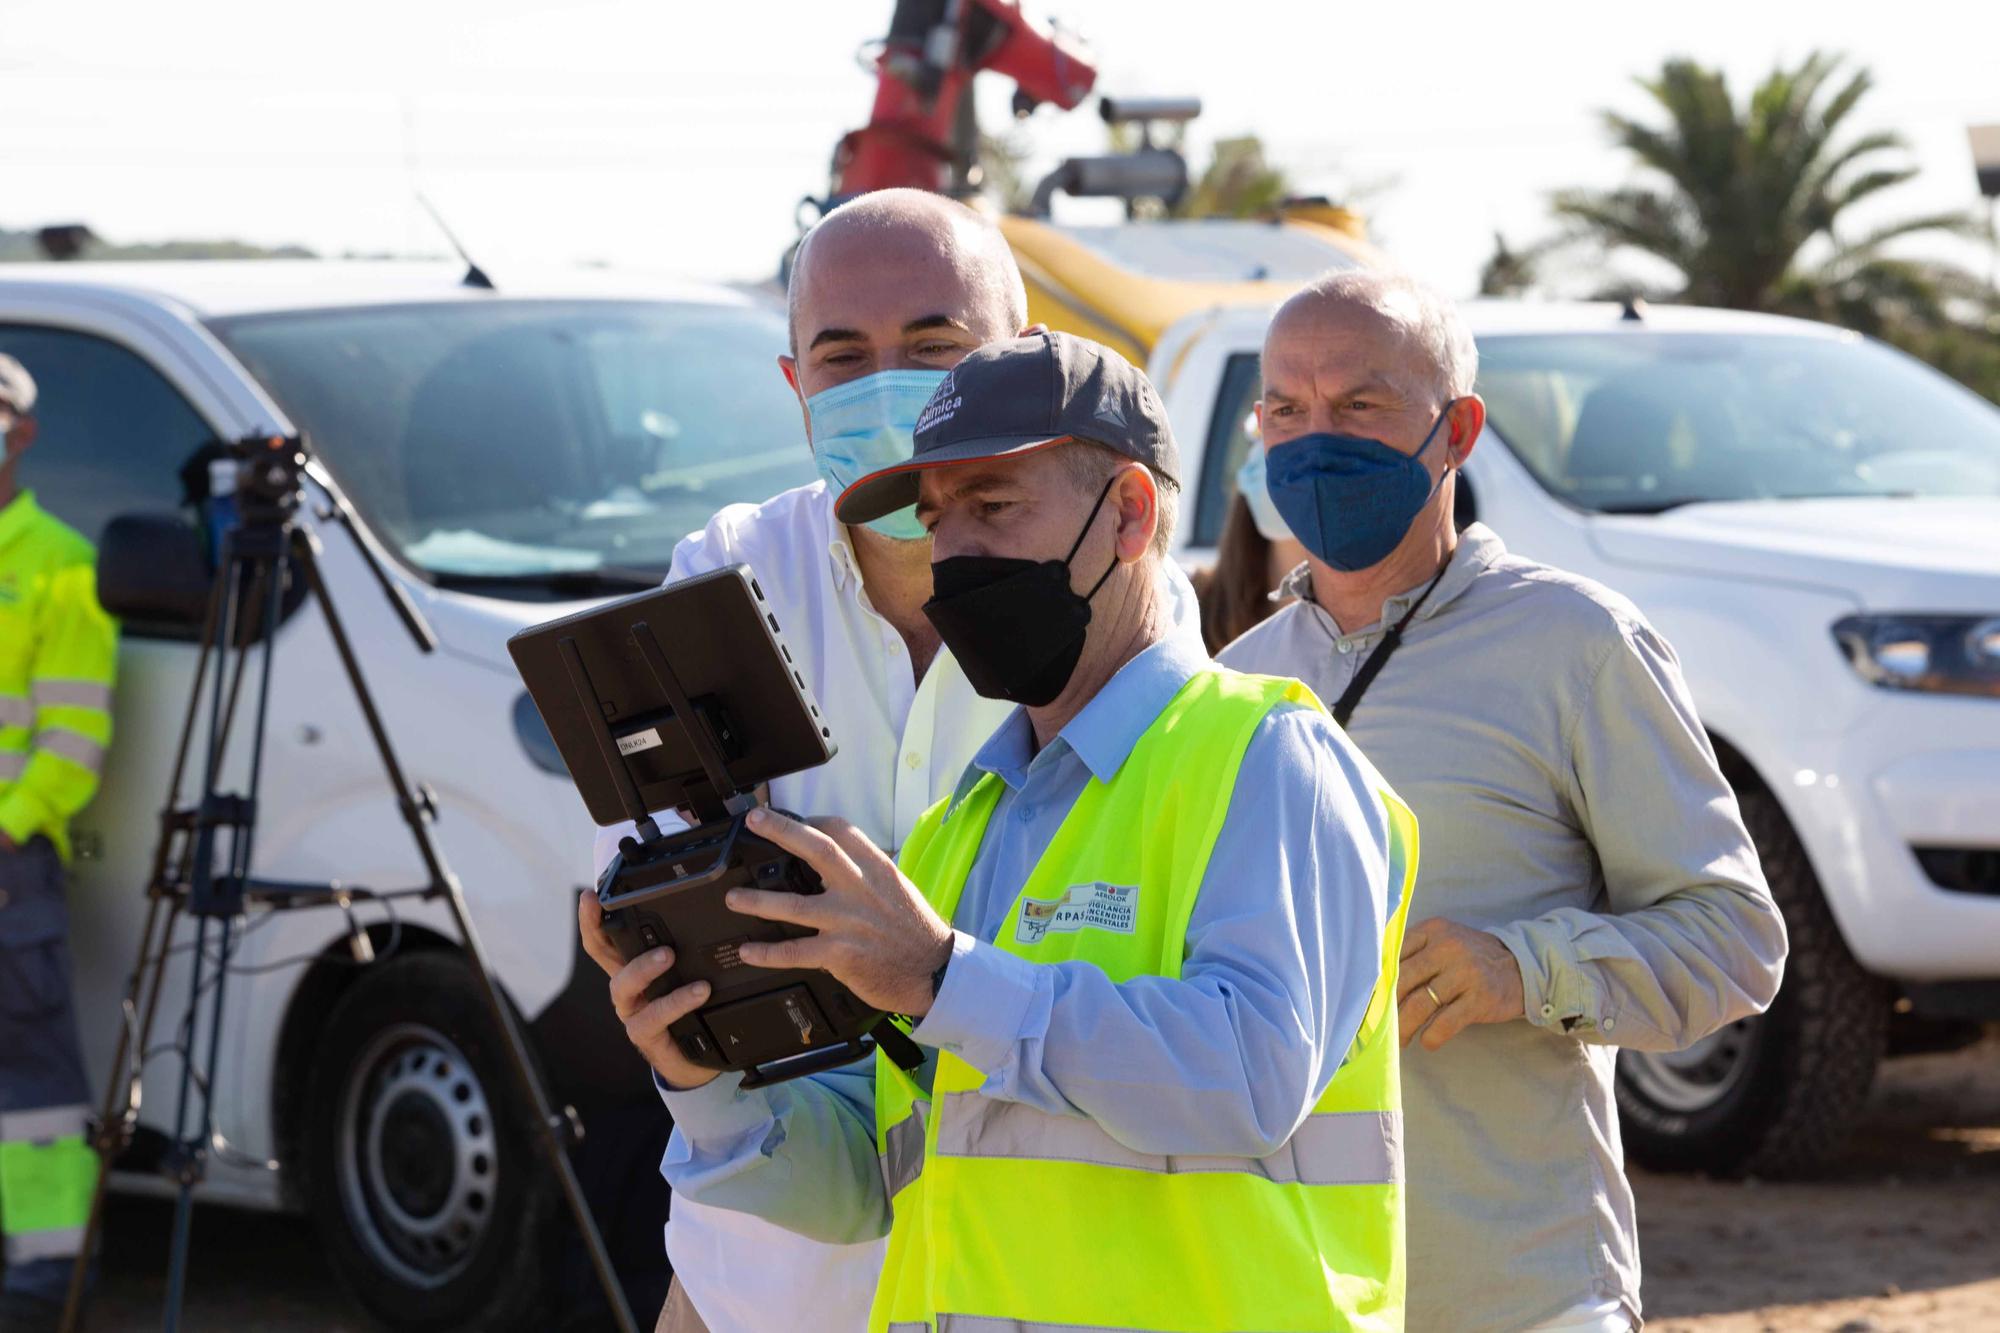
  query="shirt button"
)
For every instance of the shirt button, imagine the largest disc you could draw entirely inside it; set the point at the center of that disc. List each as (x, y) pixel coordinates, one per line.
(1346, 646)
(895, 644)
(913, 759)
(1548, 1011)
(1024, 813)
(1608, 1023)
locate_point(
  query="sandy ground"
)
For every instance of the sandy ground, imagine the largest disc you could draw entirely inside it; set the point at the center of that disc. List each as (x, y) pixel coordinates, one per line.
(1901, 1236)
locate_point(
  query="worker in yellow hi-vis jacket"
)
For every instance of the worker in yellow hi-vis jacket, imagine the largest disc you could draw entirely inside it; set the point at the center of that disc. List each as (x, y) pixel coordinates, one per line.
(58, 651)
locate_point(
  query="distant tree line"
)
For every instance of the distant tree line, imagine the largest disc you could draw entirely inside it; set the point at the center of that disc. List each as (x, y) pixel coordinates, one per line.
(18, 247)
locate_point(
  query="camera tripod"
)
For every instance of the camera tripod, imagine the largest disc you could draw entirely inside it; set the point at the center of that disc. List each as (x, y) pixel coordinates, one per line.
(261, 555)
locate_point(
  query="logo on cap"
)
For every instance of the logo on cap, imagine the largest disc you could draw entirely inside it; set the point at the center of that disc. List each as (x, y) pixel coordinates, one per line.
(942, 407)
(1109, 414)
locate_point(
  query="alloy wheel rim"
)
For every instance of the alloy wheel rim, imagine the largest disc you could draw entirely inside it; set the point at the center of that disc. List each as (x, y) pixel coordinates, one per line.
(1694, 1079)
(417, 1158)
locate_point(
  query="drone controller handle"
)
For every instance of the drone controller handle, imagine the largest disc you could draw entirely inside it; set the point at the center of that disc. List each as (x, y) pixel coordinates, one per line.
(810, 1062)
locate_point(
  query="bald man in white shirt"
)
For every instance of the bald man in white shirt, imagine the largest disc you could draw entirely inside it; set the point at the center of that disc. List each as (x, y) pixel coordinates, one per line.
(887, 293)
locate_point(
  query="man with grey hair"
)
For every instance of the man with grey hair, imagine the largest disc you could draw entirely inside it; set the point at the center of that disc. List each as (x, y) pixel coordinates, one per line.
(1587, 881)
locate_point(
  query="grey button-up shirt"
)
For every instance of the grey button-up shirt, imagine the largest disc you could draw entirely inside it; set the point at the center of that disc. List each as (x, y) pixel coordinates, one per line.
(1571, 805)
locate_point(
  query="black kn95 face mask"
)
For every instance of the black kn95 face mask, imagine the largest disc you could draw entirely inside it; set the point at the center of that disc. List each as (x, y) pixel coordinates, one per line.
(1016, 626)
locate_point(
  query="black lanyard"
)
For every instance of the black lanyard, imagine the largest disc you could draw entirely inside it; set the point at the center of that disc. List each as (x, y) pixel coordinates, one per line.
(1344, 707)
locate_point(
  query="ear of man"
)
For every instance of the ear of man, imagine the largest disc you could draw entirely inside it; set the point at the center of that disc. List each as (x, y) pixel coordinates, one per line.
(1466, 417)
(1092, 465)
(789, 368)
(1135, 499)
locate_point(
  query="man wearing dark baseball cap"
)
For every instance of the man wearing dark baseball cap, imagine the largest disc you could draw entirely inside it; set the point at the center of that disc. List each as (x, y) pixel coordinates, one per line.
(1149, 942)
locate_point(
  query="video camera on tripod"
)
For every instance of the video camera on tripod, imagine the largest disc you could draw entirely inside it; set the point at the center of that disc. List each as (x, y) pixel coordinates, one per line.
(686, 698)
(265, 562)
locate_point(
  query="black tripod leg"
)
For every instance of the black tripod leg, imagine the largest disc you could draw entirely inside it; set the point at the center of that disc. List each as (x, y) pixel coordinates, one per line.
(148, 974)
(247, 574)
(446, 885)
(252, 576)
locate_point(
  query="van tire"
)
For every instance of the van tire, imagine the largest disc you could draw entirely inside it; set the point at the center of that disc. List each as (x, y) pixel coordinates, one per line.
(1800, 1073)
(422, 1177)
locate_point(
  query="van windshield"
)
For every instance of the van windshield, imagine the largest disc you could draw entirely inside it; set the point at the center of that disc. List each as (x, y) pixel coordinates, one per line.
(1643, 422)
(510, 443)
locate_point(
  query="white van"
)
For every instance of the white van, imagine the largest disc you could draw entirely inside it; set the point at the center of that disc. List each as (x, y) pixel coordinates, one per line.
(514, 452)
(1813, 520)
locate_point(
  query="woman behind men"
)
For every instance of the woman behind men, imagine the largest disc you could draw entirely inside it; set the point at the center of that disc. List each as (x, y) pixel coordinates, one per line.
(1256, 552)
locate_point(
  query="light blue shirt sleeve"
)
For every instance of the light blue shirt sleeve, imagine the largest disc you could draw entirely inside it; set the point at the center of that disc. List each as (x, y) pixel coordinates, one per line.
(800, 1154)
(1284, 950)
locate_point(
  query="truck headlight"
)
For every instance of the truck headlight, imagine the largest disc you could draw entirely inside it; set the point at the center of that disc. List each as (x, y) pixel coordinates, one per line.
(1929, 653)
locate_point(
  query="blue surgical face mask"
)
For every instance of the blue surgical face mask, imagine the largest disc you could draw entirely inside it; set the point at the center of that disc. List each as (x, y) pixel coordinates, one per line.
(1251, 485)
(1350, 499)
(868, 424)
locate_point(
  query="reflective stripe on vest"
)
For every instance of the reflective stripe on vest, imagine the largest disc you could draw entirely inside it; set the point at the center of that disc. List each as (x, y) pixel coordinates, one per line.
(16, 711)
(903, 1153)
(50, 693)
(987, 1323)
(13, 764)
(74, 746)
(1329, 1148)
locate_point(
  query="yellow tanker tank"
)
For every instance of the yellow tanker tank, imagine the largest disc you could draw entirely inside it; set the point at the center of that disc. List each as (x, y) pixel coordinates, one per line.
(1124, 284)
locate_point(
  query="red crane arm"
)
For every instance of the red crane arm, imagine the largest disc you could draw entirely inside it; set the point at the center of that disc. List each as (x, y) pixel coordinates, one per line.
(924, 72)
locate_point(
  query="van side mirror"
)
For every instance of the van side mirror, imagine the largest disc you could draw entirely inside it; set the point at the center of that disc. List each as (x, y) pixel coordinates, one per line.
(153, 574)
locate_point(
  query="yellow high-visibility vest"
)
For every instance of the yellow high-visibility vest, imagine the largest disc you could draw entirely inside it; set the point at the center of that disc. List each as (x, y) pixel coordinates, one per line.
(1007, 1218)
(58, 656)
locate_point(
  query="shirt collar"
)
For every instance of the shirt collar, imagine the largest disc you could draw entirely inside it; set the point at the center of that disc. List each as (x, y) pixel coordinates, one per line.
(1104, 731)
(19, 513)
(1478, 547)
(840, 549)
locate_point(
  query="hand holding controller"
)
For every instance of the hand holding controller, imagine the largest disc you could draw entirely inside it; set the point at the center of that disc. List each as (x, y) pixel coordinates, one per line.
(870, 927)
(646, 1018)
(686, 698)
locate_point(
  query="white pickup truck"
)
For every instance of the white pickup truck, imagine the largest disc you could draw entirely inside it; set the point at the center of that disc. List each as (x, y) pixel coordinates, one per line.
(1813, 520)
(514, 452)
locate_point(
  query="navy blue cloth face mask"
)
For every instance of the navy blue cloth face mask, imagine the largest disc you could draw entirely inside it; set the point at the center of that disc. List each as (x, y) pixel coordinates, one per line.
(1349, 499)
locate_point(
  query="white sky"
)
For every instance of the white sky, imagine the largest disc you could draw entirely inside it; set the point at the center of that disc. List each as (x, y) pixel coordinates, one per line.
(679, 136)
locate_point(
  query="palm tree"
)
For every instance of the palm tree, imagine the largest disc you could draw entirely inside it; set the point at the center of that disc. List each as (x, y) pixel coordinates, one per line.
(1513, 270)
(1239, 183)
(1753, 210)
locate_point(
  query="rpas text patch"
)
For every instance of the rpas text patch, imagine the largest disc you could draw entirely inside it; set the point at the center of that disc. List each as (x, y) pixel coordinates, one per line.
(1113, 907)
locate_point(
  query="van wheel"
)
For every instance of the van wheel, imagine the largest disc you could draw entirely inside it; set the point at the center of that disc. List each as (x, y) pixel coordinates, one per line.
(424, 1184)
(1776, 1094)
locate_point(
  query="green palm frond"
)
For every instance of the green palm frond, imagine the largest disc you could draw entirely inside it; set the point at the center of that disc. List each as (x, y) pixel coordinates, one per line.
(1930, 224)
(1739, 192)
(1856, 188)
(1656, 223)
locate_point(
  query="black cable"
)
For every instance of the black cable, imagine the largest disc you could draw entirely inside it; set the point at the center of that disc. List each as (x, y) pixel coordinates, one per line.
(338, 960)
